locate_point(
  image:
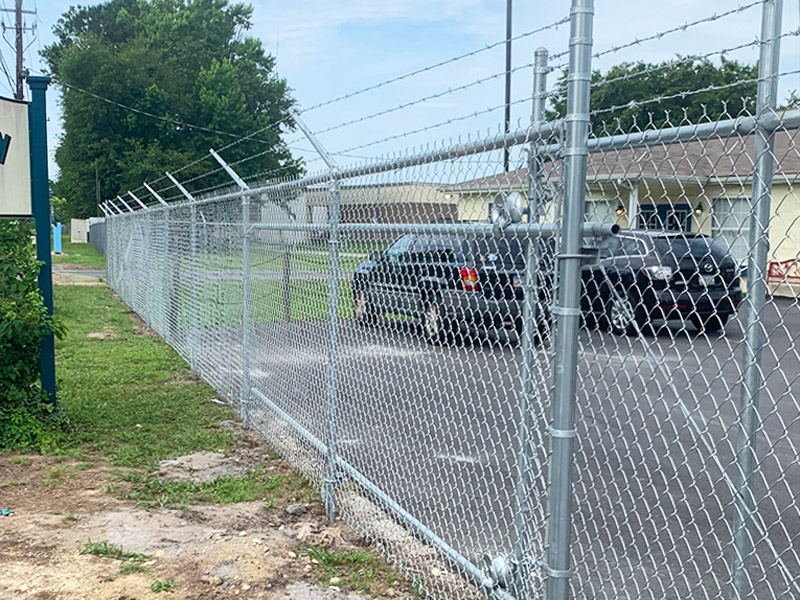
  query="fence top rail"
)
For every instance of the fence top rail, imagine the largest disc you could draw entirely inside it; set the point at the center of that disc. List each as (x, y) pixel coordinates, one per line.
(593, 229)
(535, 133)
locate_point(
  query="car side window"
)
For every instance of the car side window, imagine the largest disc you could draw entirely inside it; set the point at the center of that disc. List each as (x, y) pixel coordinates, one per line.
(630, 247)
(435, 248)
(400, 248)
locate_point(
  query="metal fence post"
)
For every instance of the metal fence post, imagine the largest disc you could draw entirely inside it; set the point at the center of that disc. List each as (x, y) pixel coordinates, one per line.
(530, 392)
(287, 285)
(333, 373)
(557, 567)
(752, 379)
(332, 392)
(245, 391)
(193, 281)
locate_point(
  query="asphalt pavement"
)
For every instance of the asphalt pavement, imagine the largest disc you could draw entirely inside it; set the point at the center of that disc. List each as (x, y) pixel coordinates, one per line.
(438, 429)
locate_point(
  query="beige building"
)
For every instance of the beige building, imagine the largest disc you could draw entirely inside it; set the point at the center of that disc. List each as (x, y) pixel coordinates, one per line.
(386, 203)
(701, 186)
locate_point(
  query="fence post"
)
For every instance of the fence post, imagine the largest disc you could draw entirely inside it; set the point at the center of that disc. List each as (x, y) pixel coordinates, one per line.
(245, 392)
(530, 392)
(287, 285)
(193, 281)
(752, 379)
(557, 567)
(334, 218)
(244, 395)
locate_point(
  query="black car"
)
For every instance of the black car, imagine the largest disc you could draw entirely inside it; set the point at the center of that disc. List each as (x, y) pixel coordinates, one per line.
(629, 281)
(642, 276)
(450, 283)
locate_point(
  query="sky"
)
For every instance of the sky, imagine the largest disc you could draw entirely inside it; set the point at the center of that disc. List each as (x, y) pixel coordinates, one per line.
(329, 49)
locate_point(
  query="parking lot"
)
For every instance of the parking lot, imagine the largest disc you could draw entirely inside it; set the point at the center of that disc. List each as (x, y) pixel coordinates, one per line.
(437, 429)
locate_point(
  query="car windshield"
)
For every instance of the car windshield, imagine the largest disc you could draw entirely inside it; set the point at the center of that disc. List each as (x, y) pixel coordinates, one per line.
(698, 247)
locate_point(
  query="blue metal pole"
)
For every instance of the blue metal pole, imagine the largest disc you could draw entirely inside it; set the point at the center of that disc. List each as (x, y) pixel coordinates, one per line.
(40, 199)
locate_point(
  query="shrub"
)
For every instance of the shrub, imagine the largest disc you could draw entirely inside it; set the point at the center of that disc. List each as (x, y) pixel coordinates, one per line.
(25, 416)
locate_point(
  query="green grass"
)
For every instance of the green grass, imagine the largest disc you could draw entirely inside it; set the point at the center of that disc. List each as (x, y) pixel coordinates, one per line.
(59, 475)
(354, 569)
(106, 550)
(132, 567)
(162, 586)
(155, 492)
(80, 254)
(119, 393)
(221, 302)
(20, 460)
(301, 259)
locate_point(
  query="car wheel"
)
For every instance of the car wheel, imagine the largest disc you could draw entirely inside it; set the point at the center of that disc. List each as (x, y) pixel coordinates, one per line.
(711, 323)
(434, 323)
(363, 311)
(624, 316)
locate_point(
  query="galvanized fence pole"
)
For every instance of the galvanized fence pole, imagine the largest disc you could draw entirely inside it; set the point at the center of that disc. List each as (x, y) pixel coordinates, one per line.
(557, 567)
(245, 391)
(530, 392)
(287, 285)
(331, 478)
(166, 267)
(752, 378)
(332, 391)
(194, 283)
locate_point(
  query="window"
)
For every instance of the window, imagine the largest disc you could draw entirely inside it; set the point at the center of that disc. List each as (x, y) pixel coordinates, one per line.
(400, 247)
(648, 217)
(630, 247)
(730, 225)
(600, 210)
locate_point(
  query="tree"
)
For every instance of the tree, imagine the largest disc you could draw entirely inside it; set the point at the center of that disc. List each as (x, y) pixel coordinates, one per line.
(625, 88)
(187, 61)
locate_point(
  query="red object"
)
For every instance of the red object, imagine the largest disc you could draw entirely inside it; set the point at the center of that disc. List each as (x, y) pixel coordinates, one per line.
(784, 271)
(469, 279)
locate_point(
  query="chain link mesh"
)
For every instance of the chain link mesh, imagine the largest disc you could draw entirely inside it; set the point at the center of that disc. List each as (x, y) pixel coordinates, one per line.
(402, 355)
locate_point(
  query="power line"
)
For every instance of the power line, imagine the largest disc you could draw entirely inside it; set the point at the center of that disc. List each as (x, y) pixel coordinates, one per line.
(553, 25)
(167, 119)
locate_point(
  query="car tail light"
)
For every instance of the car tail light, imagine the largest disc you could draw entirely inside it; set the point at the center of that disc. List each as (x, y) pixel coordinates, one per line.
(469, 279)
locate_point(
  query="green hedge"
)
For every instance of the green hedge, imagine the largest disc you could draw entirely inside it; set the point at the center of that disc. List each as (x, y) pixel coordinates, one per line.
(26, 418)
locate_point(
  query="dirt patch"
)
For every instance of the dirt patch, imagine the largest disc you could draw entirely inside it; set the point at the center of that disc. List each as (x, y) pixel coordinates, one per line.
(107, 333)
(67, 266)
(139, 325)
(185, 378)
(207, 466)
(211, 551)
(76, 279)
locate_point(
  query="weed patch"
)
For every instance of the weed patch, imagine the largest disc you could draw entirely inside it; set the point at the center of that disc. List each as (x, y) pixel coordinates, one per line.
(106, 550)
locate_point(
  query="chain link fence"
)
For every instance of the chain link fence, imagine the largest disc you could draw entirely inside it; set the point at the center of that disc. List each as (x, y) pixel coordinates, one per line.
(578, 377)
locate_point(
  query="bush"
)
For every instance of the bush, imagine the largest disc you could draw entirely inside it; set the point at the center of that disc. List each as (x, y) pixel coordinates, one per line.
(26, 418)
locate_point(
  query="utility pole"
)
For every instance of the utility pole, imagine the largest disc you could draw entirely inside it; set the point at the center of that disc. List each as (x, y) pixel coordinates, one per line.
(19, 30)
(18, 25)
(97, 188)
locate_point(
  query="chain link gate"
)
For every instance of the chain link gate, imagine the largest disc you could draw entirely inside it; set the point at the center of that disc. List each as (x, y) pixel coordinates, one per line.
(543, 405)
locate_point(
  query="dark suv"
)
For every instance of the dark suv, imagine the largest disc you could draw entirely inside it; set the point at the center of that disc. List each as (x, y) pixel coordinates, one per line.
(641, 276)
(629, 281)
(448, 282)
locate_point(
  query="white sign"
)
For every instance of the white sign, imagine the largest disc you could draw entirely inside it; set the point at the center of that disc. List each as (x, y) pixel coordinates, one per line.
(15, 159)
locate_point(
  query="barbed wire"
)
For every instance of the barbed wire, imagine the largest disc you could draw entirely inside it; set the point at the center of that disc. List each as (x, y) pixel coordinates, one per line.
(553, 25)
(684, 94)
(658, 35)
(687, 59)
(425, 99)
